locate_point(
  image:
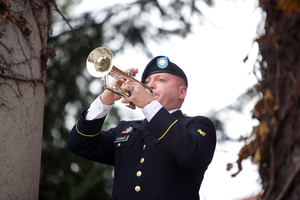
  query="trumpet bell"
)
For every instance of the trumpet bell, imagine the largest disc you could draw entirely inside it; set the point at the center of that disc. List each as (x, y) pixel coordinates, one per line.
(99, 62)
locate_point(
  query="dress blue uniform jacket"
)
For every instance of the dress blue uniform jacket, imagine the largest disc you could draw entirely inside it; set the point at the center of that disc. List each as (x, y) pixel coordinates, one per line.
(164, 159)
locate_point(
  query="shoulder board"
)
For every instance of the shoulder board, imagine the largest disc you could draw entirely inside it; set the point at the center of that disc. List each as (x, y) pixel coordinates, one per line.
(195, 116)
(141, 120)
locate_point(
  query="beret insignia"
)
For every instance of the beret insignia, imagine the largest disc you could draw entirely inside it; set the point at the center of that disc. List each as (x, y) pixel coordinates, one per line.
(162, 62)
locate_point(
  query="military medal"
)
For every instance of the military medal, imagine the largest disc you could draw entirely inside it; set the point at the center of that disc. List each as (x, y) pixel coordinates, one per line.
(129, 129)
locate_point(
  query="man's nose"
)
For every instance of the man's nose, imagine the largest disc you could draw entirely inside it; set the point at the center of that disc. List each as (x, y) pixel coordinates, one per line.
(151, 84)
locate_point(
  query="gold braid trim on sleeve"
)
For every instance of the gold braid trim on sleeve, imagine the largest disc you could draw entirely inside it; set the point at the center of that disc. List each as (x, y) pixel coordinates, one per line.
(85, 134)
(167, 130)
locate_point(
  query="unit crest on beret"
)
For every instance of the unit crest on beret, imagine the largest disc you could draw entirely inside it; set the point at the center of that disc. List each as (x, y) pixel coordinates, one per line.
(162, 62)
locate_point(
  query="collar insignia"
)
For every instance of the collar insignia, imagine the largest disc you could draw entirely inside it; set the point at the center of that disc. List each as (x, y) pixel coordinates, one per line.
(201, 132)
(129, 129)
(162, 62)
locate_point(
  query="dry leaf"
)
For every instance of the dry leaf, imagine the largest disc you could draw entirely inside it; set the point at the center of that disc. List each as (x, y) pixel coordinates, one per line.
(288, 6)
(229, 166)
(262, 130)
(269, 102)
(258, 109)
(6, 15)
(257, 156)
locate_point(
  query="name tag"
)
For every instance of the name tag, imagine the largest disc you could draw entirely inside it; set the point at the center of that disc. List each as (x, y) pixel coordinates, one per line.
(121, 139)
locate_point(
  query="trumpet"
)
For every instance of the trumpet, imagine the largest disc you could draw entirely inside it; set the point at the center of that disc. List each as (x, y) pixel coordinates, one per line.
(99, 64)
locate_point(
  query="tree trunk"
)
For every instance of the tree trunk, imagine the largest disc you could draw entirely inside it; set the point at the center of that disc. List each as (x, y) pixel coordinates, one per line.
(275, 143)
(280, 85)
(23, 55)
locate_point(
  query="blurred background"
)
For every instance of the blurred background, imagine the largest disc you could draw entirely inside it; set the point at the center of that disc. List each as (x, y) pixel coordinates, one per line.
(213, 41)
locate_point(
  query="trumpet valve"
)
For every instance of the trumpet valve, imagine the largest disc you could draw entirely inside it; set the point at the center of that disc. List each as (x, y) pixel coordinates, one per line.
(130, 74)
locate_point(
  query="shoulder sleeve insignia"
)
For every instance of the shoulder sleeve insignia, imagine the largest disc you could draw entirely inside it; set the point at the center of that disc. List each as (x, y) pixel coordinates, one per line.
(201, 132)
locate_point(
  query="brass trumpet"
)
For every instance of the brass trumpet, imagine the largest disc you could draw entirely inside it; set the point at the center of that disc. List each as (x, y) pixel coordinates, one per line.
(99, 64)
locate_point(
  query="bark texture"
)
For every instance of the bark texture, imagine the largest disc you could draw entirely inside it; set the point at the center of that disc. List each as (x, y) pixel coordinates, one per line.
(280, 68)
(275, 142)
(23, 55)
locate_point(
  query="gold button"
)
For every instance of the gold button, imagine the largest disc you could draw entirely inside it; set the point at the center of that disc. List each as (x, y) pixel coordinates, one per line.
(137, 188)
(142, 160)
(119, 145)
(139, 173)
(144, 147)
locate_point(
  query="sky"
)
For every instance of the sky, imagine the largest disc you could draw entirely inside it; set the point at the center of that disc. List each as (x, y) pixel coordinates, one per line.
(212, 58)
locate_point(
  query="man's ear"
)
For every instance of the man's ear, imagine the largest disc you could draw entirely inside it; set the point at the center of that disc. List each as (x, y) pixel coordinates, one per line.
(183, 91)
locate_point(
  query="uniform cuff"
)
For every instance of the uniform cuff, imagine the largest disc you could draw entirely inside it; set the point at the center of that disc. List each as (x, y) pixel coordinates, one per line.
(97, 110)
(151, 109)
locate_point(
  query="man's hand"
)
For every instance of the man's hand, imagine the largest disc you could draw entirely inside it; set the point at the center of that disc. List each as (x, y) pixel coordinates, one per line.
(108, 97)
(139, 95)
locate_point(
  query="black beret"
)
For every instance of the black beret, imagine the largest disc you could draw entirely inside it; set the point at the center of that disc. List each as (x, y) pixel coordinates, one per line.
(162, 64)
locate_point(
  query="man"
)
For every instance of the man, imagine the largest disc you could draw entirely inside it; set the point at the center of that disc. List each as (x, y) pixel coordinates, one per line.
(163, 156)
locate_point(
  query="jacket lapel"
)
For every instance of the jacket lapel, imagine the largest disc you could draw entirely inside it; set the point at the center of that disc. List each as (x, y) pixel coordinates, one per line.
(178, 114)
(141, 126)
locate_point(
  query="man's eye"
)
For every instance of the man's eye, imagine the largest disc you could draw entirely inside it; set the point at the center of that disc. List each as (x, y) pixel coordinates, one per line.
(161, 80)
(146, 82)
